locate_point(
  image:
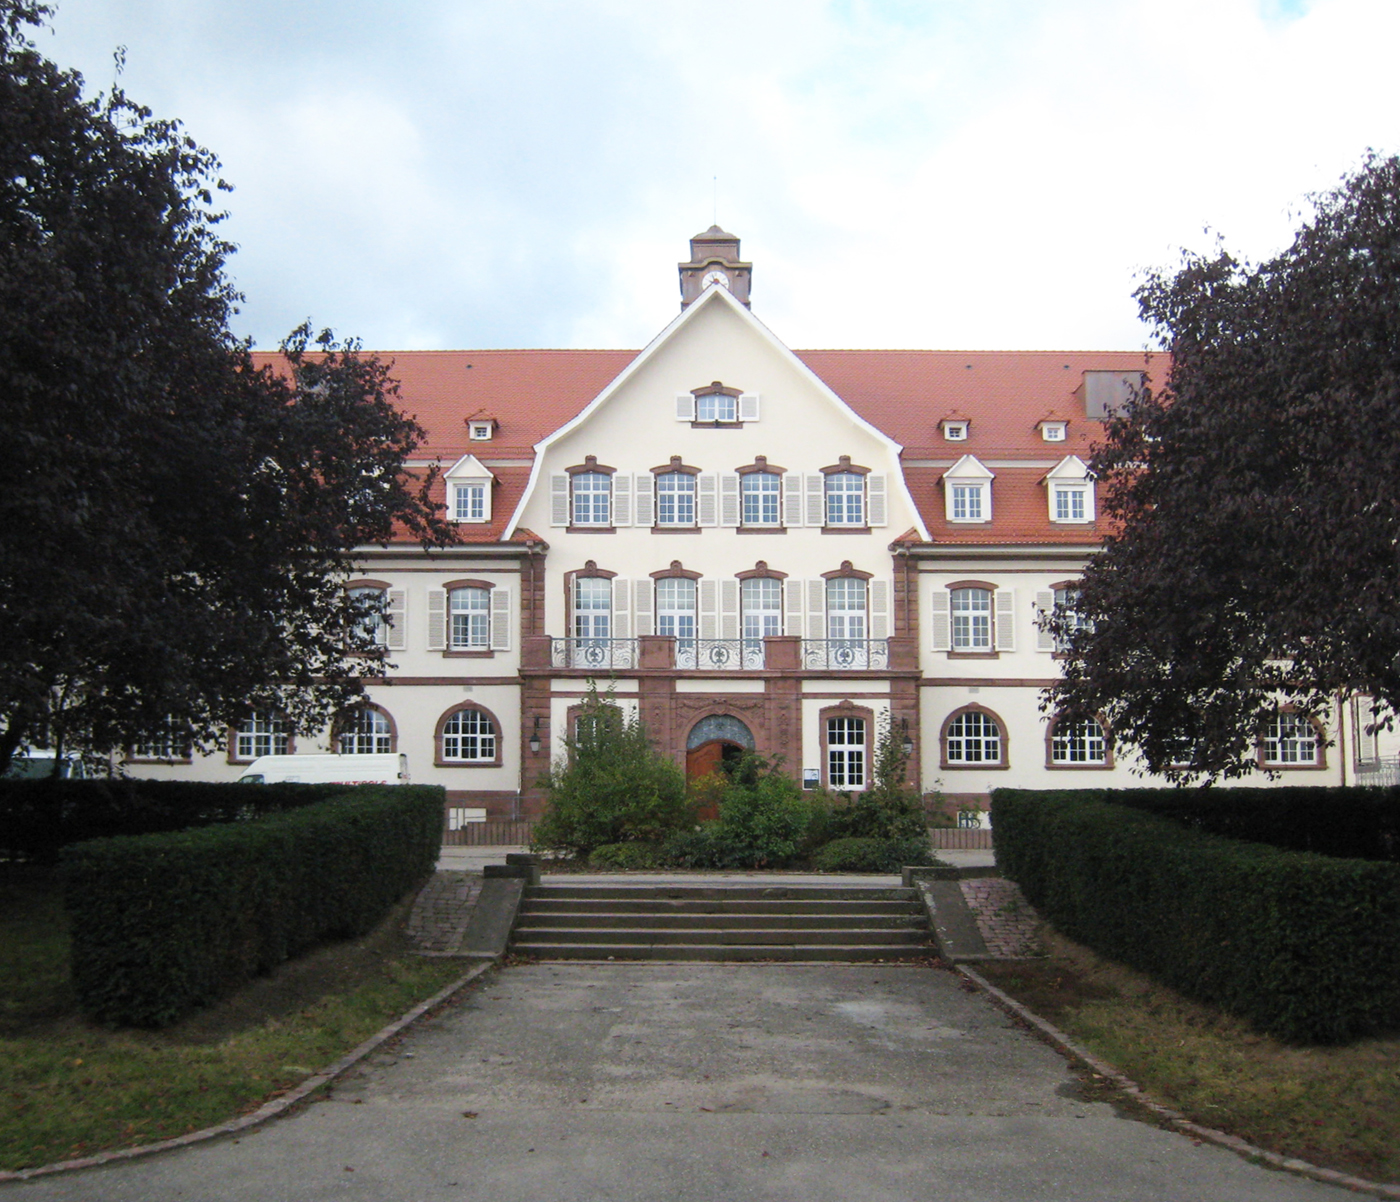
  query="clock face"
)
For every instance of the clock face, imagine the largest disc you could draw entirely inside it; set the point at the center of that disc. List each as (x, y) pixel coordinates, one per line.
(714, 277)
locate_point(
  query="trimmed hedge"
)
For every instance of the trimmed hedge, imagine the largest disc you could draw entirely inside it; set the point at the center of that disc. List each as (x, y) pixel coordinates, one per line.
(165, 923)
(1303, 946)
(39, 817)
(858, 854)
(1354, 823)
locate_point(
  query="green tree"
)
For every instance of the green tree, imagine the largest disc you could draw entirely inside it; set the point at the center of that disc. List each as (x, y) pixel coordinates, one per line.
(1255, 499)
(612, 786)
(890, 807)
(175, 530)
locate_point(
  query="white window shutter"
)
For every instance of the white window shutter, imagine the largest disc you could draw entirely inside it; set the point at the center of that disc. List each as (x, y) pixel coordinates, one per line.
(729, 500)
(816, 608)
(729, 609)
(396, 619)
(940, 611)
(706, 499)
(685, 407)
(559, 499)
(709, 609)
(622, 499)
(643, 593)
(1045, 603)
(748, 406)
(792, 603)
(500, 618)
(879, 609)
(1006, 619)
(644, 499)
(792, 500)
(876, 506)
(815, 489)
(622, 608)
(437, 619)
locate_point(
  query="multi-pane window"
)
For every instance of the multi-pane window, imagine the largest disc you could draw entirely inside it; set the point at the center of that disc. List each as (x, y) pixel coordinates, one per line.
(675, 615)
(675, 499)
(845, 608)
(167, 742)
(762, 602)
(261, 734)
(1069, 502)
(845, 753)
(592, 607)
(365, 732)
(967, 502)
(469, 735)
(1066, 599)
(972, 619)
(761, 491)
(845, 499)
(973, 738)
(470, 614)
(716, 407)
(469, 502)
(369, 627)
(592, 495)
(1078, 743)
(1290, 739)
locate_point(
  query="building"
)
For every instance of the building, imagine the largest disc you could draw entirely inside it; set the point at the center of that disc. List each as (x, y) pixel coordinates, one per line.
(751, 547)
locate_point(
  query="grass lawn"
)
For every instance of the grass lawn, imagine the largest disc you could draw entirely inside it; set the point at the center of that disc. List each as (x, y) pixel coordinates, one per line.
(1338, 1107)
(69, 1088)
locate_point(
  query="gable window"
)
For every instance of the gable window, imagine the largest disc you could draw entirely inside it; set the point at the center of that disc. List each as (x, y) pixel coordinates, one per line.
(967, 491)
(1071, 491)
(469, 502)
(716, 407)
(675, 499)
(1290, 740)
(469, 612)
(469, 736)
(592, 496)
(365, 731)
(1070, 502)
(845, 753)
(968, 503)
(261, 734)
(845, 499)
(468, 483)
(972, 619)
(972, 737)
(761, 492)
(1078, 743)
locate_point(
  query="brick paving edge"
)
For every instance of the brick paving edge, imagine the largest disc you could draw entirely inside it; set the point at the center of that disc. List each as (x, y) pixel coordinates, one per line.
(1072, 1050)
(268, 1110)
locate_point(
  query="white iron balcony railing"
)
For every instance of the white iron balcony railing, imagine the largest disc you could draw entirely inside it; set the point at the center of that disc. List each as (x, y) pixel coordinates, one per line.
(723, 655)
(846, 655)
(1379, 772)
(593, 653)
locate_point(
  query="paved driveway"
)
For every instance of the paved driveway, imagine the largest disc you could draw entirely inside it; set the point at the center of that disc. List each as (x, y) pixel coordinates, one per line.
(705, 1083)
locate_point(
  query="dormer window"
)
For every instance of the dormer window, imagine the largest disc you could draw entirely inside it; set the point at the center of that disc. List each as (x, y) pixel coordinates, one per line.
(955, 431)
(468, 490)
(1053, 431)
(967, 491)
(481, 431)
(1070, 491)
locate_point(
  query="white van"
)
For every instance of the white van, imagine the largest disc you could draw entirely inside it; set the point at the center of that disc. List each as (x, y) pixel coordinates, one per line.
(327, 770)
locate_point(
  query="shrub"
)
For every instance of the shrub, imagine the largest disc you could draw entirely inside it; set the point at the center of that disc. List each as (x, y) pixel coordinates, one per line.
(165, 923)
(705, 846)
(891, 808)
(1304, 946)
(633, 856)
(763, 814)
(612, 787)
(871, 855)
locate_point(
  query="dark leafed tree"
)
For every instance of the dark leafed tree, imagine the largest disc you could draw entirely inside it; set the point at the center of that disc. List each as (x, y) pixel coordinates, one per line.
(1255, 559)
(175, 524)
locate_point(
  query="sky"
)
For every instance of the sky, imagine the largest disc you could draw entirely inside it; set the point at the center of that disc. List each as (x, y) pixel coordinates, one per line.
(951, 174)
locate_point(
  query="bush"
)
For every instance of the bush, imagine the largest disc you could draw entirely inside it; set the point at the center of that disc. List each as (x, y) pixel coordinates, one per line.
(871, 855)
(1304, 946)
(763, 814)
(613, 787)
(891, 808)
(166, 923)
(705, 846)
(38, 817)
(626, 856)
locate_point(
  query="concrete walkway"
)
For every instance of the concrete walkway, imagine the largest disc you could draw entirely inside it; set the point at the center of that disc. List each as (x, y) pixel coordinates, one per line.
(701, 1083)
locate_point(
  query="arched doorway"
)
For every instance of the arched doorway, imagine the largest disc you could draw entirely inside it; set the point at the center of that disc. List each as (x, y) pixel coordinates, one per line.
(715, 741)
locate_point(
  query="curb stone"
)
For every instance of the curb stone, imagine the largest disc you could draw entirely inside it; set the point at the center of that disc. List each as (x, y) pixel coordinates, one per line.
(1074, 1051)
(268, 1110)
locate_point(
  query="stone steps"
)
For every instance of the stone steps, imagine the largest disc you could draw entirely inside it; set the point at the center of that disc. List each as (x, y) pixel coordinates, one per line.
(721, 922)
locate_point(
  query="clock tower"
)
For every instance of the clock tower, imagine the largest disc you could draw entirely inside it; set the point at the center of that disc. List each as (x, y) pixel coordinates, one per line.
(714, 259)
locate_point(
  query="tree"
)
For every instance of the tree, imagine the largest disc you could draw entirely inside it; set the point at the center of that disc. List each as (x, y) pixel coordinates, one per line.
(176, 524)
(1255, 500)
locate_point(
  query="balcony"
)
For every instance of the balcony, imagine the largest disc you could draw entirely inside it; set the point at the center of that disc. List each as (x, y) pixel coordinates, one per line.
(720, 655)
(594, 654)
(845, 655)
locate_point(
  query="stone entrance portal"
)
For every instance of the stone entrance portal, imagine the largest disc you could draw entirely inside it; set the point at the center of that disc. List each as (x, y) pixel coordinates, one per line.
(715, 741)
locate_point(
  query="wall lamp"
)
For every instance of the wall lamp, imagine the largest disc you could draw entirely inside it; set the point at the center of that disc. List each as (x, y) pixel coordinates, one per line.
(908, 743)
(535, 738)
